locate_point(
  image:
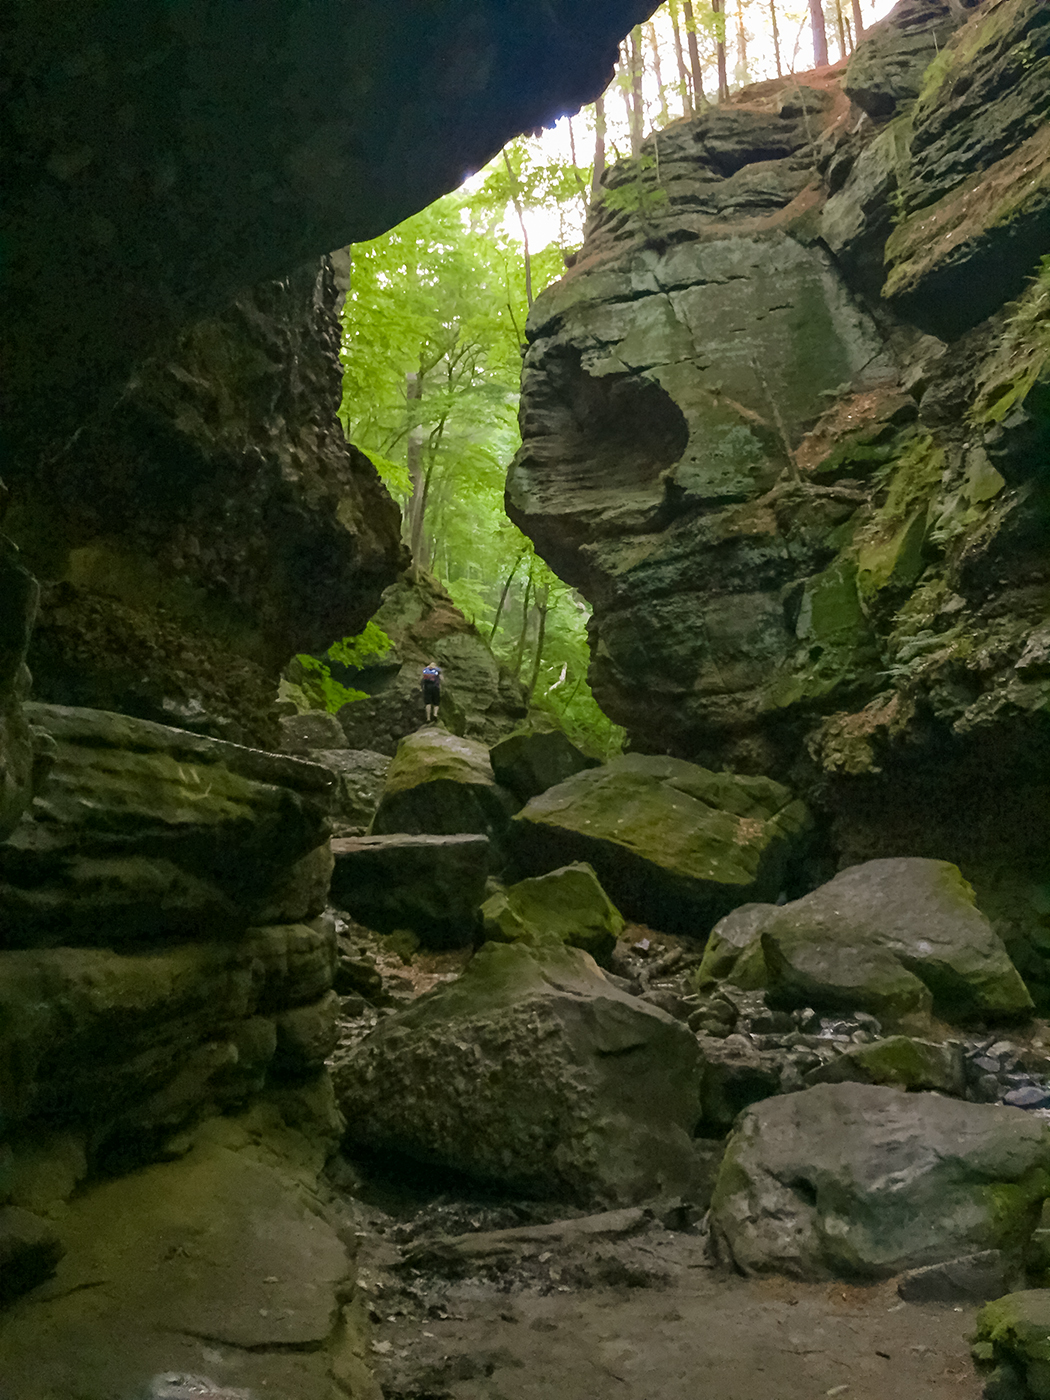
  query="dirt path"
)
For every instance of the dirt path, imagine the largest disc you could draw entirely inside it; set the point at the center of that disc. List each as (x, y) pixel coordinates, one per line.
(637, 1312)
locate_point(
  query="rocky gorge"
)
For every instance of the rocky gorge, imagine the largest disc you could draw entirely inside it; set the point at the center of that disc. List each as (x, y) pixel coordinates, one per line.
(341, 1056)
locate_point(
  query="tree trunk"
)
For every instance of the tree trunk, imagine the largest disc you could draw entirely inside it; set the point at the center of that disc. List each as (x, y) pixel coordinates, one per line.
(544, 604)
(694, 52)
(637, 106)
(820, 37)
(841, 28)
(515, 197)
(413, 395)
(718, 8)
(741, 43)
(688, 104)
(858, 23)
(504, 594)
(599, 146)
(519, 651)
(776, 34)
(650, 31)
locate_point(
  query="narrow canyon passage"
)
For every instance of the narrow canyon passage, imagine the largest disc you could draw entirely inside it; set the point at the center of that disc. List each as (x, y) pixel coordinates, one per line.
(525, 767)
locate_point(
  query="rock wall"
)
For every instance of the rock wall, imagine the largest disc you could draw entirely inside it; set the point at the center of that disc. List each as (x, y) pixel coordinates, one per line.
(784, 427)
(161, 160)
(165, 1014)
(193, 536)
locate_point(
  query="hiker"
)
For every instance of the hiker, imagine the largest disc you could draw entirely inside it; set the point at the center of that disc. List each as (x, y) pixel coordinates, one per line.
(431, 689)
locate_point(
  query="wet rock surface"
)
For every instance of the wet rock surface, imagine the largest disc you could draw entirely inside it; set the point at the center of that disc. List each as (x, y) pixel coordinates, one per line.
(432, 885)
(440, 785)
(815, 537)
(567, 906)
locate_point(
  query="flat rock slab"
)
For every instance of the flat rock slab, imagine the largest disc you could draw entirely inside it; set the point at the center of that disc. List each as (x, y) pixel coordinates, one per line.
(145, 831)
(533, 1071)
(433, 885)
(896, 938)
(861, 1181)
(213, 1265)
(674, 845)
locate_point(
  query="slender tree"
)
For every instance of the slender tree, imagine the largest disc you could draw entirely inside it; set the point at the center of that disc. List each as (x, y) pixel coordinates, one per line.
(654, 49)
(505, 592)
(776, 35)
(636, 108)
(416, 505)
(741, 44)
(694, 53)
(599, 146)
(820, 37)
(841, 28)
(515, 195)
(718, 10)
(858, 22)
(543, 594)
(683, 77)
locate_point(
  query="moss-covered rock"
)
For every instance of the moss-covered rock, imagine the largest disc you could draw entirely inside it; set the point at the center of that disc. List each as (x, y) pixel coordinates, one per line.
(566, 906)
(1011, 1346)
(439, 785)
(480, 699)
(899, 1061)
(142, 831)
(895, 938)
(674, 844)
(533, 1071)
(861, 1181)
(223, 1242)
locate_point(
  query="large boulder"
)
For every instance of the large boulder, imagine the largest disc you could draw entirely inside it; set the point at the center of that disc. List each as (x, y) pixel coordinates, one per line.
(312, 729)
(566, 906)
(896, 938)
(433, 885)
(142, 831)
(676, 846)
(860, 1181)
(889, 64)
(533, 1071)
(533, 760)
(439, 784)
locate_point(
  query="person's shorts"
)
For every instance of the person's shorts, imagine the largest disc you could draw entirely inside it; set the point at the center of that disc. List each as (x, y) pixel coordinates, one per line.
(431, 693)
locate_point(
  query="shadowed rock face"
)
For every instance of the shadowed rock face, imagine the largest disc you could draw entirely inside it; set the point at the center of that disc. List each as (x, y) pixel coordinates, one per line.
(834, 568)
(167, 156)
(210, 524)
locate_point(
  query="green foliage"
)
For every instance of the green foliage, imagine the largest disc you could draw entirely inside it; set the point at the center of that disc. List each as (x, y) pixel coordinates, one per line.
(637, 194)
(367, 647)
(314, 688)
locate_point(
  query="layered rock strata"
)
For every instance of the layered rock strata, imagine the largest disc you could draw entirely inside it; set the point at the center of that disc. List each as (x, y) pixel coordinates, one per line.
(784, 429)
(213, 521)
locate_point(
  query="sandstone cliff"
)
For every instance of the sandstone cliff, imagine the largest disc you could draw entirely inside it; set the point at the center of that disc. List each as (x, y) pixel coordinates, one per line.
(786, 424)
